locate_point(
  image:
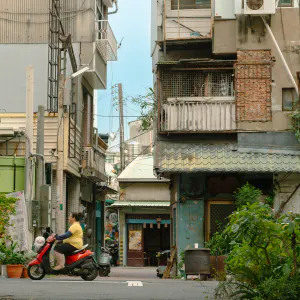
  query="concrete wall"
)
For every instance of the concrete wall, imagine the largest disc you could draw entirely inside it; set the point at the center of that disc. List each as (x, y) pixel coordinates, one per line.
(144, 191)
(250, 34)
(287, 184)
(14, 59)
(27, 21)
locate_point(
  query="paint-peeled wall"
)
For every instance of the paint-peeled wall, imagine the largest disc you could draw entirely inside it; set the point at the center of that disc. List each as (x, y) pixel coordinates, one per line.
(190, 212)
(287, 196)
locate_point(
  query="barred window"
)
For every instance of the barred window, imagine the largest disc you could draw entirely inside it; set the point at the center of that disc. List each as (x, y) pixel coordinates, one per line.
(176, 84)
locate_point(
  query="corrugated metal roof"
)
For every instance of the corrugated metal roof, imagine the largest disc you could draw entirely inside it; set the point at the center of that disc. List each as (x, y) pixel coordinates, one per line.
(140, 203)
(195, 157)
(140, 170)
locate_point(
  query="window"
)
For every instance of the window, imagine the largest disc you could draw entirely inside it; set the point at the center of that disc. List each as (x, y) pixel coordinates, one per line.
(289, 98)
(285, 3)
(190, 4)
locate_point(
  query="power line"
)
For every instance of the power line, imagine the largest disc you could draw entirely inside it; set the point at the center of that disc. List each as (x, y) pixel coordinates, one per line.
(117, 116)
(130, 139)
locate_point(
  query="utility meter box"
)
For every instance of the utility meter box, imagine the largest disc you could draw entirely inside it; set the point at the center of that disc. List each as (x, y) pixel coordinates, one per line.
(42, 209)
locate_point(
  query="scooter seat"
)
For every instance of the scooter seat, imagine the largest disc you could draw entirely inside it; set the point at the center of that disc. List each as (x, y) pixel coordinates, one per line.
(77, 251)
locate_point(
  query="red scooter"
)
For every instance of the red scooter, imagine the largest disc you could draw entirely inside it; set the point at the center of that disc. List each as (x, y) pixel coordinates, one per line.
(80, 263)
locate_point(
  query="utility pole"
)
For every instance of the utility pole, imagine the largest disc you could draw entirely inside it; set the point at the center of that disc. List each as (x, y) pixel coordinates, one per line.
(40, 150)
(60, 205)
(121, 118)
(29, 139)
(40, 168)
(59, 215)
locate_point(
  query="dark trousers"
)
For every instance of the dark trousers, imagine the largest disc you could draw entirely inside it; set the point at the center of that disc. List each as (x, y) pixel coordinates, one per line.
(66, 249)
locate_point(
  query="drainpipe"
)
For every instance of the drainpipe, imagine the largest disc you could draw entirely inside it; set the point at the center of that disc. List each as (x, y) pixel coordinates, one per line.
(43, 159)
(281, 56)
(116, 10)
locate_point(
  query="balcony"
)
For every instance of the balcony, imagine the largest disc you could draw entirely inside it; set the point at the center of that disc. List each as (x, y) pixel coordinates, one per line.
(93, 164)
(197, 101)
(106, 42)
(185, 21)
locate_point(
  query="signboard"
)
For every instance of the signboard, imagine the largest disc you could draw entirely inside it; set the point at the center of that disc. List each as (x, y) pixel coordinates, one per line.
(135, 240)
(19, 223)
(113, 217)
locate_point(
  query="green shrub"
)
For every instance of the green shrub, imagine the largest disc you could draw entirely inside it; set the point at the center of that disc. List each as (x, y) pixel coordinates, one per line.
(16, 259)
(247, 194)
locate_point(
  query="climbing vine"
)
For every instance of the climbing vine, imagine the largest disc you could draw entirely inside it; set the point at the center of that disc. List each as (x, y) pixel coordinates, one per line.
(296, 123)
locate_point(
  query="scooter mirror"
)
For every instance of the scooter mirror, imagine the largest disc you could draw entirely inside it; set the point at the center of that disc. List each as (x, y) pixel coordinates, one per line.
(89, 233)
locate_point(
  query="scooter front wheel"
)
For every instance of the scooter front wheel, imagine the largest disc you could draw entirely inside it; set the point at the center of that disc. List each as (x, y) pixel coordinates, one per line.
(36, 272)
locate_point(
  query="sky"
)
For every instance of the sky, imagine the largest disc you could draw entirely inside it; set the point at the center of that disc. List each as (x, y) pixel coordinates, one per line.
(133, 68)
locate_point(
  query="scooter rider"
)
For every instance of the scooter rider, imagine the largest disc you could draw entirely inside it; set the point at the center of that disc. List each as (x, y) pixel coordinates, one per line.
(71, 241)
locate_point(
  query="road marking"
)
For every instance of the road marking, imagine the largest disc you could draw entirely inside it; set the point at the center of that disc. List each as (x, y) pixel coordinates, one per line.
(77, 281)
(135, 283)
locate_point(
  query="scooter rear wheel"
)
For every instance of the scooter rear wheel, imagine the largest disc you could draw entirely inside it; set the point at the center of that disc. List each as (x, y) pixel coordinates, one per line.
(36, 272)
(91, 276)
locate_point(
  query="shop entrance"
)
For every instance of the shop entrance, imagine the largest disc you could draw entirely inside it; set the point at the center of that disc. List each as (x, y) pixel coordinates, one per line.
(146, 236)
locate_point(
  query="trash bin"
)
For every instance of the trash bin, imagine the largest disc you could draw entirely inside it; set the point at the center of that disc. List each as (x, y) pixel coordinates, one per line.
(197, 261)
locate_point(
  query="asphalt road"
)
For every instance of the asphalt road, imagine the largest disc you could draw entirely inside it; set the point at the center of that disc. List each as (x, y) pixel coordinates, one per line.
(105, 289)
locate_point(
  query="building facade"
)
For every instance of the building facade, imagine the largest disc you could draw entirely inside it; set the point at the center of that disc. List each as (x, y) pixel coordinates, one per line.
(59, 38)
(225, 100)
(144, 214)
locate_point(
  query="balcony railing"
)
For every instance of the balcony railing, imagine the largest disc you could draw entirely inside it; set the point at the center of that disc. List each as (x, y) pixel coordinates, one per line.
(198, 115)
(184, 21)
(106, 42)
(93, 164)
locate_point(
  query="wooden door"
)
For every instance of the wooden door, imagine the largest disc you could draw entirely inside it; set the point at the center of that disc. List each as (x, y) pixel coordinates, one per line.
(217, 212)
(135, 252)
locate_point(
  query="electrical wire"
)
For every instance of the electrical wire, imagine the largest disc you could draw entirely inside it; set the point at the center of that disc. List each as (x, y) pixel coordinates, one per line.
(117, 116)
(129, 139)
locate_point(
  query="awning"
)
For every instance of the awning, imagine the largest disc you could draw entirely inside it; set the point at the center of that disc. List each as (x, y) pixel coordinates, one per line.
(141, 204)
(196, 157)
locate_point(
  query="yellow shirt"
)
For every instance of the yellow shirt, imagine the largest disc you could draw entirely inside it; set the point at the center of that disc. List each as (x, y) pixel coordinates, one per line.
(76, 237)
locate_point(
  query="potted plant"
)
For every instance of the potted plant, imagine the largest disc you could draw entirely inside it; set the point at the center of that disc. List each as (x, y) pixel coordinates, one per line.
(3, 271)
(218, 246)
(15, 263)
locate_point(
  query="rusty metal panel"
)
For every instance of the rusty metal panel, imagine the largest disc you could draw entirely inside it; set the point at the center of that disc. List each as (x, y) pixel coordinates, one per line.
(27, 21)
(210, 115)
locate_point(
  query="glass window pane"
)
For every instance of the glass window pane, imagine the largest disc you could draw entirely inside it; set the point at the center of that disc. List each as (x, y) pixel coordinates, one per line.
(285, 3)
(190, 4)
(287, 99)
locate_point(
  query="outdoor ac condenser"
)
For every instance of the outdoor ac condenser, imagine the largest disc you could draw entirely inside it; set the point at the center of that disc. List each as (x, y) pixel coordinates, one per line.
(259, 7)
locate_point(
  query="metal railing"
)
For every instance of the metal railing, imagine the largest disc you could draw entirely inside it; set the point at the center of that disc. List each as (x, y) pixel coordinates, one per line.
(106, 41)
(199, 116)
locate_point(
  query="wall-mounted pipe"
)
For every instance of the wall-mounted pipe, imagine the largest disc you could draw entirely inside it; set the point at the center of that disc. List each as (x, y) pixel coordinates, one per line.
(281, 56)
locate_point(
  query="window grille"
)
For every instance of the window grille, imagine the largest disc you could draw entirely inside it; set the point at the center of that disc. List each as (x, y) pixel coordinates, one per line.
(177, 84)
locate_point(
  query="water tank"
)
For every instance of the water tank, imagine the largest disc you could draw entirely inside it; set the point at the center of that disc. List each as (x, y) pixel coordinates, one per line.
(134, 149)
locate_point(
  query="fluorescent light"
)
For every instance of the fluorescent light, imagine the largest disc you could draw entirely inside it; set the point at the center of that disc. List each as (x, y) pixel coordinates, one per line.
(81, 71)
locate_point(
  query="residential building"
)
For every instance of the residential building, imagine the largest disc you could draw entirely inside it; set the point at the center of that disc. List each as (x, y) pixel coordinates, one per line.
(144, 214)
(58, 38)
(224, 99)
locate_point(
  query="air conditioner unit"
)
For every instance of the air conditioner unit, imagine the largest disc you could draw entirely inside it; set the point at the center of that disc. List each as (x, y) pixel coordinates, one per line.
(259, 7)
